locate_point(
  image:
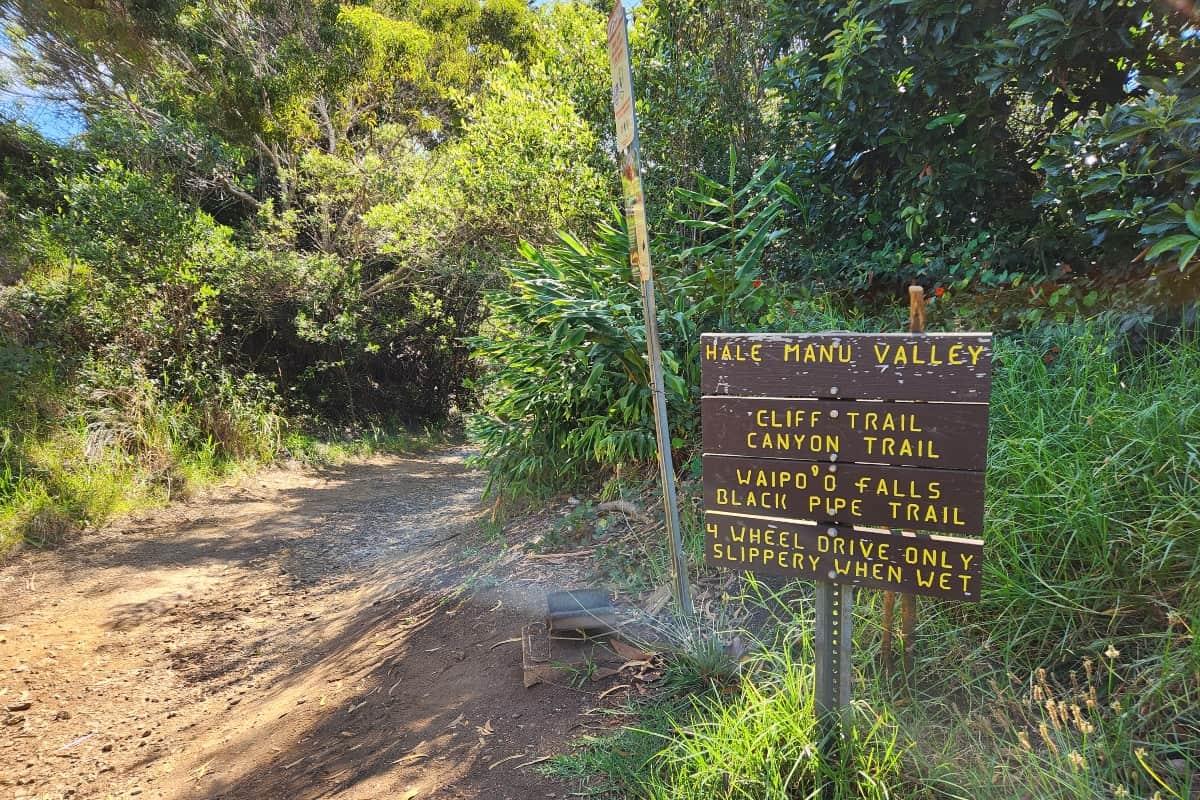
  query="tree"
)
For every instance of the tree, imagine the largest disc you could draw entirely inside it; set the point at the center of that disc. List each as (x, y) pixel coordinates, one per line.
(922, 121)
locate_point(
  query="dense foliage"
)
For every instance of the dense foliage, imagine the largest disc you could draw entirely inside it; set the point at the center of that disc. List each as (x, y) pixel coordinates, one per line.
(276, 211)
(988, 142)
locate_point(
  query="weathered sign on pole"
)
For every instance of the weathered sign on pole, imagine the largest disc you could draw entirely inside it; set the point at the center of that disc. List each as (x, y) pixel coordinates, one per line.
(809, 436)
(639, 258)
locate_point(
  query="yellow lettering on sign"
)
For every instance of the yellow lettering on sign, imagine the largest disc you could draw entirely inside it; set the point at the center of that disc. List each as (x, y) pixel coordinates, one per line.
(927, 354)
(925, 513)
(900, 448)
(793, 442)
(733, 352)
(895, 487)
(809, 353)
(740, 498)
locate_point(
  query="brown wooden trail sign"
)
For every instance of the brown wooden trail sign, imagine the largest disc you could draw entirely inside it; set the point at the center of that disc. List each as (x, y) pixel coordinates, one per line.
(849, 429)
(943, 500)
(808, 435)
(856, 366)
(939, 435)
(937, 566)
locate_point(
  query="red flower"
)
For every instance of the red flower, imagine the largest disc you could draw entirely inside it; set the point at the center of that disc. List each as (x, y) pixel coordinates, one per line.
(757, 284)
(939, 291)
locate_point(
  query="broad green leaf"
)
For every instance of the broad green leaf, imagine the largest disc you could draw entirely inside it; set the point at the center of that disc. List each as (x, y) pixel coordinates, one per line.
(1109, 213)
(945, 119)
(1043, 14)
(1192, 218)
(1187, 252)
(1169, 243)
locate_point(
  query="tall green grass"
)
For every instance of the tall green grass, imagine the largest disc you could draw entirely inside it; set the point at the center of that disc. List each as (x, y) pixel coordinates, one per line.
(1093, 532)
(73, 457)
(760, 742)
(1077, 675)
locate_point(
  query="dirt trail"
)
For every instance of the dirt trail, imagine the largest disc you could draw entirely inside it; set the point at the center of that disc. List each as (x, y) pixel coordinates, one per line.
(302, 635)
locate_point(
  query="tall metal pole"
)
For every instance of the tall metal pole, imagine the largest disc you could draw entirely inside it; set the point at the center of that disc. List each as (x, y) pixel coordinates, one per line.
(639, 257)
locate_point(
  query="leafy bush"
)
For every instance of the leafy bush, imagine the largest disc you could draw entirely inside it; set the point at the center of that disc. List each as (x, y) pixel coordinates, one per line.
(922, 124)
(520, 170)
(565, 388)
(1129, 177)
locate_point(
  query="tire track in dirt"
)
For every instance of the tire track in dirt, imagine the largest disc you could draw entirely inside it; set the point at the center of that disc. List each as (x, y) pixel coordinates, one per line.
(306, 634)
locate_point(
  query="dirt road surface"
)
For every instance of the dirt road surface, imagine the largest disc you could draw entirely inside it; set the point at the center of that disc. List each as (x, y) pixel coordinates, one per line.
(343, 633)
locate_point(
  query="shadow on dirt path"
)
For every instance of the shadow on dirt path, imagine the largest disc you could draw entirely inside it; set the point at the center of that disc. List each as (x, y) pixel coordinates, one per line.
(347, 633)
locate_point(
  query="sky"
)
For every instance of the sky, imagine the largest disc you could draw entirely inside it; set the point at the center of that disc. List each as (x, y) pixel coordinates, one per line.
(29, 105)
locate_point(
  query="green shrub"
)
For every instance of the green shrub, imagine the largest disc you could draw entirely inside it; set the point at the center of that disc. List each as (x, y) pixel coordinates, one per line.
(946, 141)
(565, 388)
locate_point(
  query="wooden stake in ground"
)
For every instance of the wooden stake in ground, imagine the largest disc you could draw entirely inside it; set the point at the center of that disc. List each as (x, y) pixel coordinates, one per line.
(908, 602)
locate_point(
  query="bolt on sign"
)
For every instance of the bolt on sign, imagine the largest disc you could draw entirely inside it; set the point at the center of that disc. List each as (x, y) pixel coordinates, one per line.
(810, 439)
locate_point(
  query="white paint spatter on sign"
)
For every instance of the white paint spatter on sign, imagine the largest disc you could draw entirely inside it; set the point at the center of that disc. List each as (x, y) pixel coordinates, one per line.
(622, 77)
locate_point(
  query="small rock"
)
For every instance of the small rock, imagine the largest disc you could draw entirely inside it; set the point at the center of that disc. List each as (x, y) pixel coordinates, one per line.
(24, 705)
(106, 748)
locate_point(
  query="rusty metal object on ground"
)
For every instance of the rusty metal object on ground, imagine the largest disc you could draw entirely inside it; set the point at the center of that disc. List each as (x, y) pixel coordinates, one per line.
(588, 610)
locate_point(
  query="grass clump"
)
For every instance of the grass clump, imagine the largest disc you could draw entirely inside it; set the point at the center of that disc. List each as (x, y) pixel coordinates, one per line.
(727, 725)
(329, 447)
(119, 440)
(1093, 515)
(765, 744)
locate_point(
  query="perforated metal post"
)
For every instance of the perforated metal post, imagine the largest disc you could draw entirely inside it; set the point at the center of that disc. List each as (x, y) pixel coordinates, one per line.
(834, 631)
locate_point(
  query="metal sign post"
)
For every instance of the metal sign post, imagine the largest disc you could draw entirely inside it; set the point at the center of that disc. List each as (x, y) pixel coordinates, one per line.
(639, 258)
(834, 629)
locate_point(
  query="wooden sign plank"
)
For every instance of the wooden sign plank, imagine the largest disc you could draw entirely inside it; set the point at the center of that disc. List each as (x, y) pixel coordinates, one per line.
(853, 366)
(938, 566)
(941, 435)
(948, 501)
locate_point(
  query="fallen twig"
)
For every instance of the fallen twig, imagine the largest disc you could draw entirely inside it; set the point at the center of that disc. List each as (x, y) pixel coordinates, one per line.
(495, 764)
